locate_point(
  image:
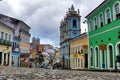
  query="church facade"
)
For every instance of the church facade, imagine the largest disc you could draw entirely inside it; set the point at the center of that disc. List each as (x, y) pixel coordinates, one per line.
(69, 29)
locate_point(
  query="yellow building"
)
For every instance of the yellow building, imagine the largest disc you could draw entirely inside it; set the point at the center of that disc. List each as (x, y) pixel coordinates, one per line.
(40, 48)
(79, 52)
(57, 57)
(6, 36)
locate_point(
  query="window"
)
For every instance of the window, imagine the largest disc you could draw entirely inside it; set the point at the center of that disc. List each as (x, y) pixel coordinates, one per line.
(95, 23)
(6, 36)
(91, 57)
(2, 35)
(96, 57)
(74, 23)
(108, 16)
(110, 56)
(101, 20)
(9, 37)
(117, 13)
(90, 28)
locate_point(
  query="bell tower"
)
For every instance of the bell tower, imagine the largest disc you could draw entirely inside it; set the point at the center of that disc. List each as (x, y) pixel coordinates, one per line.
(73, 19)
(69, 29)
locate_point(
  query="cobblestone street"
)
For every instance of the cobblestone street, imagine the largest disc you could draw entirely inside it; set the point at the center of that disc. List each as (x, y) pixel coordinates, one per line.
(10, 73)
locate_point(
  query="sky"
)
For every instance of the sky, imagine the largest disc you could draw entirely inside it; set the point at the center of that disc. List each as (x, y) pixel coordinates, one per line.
(44, 16)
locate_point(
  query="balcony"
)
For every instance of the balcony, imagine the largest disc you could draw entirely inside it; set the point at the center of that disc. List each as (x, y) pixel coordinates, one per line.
(5, 42)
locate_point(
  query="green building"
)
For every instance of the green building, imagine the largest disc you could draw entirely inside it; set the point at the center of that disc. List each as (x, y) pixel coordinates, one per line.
(104, 36)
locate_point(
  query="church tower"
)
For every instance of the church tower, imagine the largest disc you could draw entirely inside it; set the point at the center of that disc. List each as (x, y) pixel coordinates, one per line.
(69, 29)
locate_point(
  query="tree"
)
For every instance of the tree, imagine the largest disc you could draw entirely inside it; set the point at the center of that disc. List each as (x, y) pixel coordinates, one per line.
(40, 59)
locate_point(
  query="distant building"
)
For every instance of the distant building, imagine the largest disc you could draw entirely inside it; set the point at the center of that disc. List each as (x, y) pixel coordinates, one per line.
(79, 52)
(104, 36)
(6, 38)
(44, 47)
(34, 47)
(69, 29)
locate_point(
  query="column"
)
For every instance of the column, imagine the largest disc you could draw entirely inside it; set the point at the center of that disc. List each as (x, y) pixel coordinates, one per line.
(10, 59)
(2, 58)
(6, 58)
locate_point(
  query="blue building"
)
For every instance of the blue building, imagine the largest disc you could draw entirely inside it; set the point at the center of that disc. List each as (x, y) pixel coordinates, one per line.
(16, 52)
(69, 29)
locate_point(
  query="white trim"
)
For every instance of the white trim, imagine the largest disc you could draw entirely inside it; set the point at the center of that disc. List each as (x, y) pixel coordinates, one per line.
(102, 19)
(105, 31)
(106, 15)
(101, 58)
(90, 25)
(108, 56)
(95, 22)
(91, 56)
(114, 15)
(96, 58)
(118, 64)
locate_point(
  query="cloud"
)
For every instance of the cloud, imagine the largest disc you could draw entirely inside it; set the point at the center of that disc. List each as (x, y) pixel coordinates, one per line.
(44, 16)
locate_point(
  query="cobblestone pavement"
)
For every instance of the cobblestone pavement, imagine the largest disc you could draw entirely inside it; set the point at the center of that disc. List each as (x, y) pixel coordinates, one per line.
(10, 73)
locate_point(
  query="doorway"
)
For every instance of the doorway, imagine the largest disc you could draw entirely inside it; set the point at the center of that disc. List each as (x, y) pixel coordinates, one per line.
(0, 58)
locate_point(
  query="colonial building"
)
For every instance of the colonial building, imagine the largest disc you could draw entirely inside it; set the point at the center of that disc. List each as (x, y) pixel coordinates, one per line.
(104, 35)
(13, 23)
(79, 52)
(24, 43)
(69, 29)
(21, 39)
(6, 38)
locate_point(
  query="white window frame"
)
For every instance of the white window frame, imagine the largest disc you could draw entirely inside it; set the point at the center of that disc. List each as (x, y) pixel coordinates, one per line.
(100, 19)
(118, 64)
(114, 13)
(95, 22)
(108, 56)
(106, 15)
(96, 58)
(90, 25)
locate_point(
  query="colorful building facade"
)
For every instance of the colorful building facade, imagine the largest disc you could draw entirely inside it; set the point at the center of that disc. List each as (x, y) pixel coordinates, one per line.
(104, 36)
(69, 29)
(21, 39)
(79, 52)
(24, 44)
(6, 38)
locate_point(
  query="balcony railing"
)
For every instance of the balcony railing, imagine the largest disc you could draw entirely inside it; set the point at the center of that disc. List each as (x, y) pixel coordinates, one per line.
(5, 42)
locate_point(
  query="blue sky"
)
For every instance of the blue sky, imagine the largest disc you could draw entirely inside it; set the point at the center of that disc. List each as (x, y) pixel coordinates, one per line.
(44, 16)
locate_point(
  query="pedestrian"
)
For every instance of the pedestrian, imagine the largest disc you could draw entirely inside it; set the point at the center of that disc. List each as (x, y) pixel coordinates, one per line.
(37, 64)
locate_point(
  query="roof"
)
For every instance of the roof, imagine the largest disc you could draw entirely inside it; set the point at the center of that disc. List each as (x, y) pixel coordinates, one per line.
(80, 36)
(98, 7)
(1, 16)
(6, 25)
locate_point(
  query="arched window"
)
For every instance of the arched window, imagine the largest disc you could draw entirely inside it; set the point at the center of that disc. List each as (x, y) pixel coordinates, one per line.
(90, 26)
(101, 20)
(118, 55)
(91, 56)
(110, 56)
(74, 23)
(96, 57)
(95, 23)
(117, 10)
(108, 16)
